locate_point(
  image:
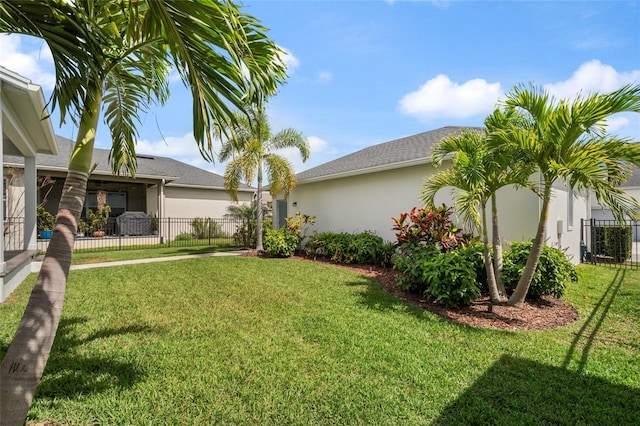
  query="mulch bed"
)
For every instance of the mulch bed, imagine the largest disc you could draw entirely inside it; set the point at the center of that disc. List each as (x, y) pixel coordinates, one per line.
(543, 314)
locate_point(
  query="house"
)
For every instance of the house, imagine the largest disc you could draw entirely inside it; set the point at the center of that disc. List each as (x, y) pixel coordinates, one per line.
(363, 190)
(163, 187)
(26, 132)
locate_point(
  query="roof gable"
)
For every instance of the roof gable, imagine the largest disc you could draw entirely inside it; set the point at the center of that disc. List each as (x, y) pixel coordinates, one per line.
(388, 155)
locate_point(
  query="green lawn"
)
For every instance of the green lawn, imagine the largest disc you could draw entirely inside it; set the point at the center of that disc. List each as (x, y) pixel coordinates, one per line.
(232, 340)
(81, 257)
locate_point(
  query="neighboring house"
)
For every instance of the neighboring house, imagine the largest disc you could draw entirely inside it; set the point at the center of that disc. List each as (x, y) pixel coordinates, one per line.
(162, 187)
(363, 190)
(26, 131)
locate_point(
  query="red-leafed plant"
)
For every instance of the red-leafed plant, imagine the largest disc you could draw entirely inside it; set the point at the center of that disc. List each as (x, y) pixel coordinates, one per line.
(432, 226)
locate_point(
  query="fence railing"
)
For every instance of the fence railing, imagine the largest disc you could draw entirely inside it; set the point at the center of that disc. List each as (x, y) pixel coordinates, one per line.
(14, 233)
(608, 242)
(143, 233)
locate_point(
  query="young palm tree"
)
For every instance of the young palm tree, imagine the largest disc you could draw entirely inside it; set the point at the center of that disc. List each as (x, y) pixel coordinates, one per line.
(252, 151)
(567, 141)
(476, 173)
(114, 57)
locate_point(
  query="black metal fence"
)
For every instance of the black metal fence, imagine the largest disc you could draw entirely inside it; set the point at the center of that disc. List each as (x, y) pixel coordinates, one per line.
(146, 232)
(608, 242)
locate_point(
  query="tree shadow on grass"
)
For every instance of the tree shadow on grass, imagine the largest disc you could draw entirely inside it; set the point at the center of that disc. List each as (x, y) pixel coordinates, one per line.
(374, 296)
(69, 375)
(522, 392)
(592, 325)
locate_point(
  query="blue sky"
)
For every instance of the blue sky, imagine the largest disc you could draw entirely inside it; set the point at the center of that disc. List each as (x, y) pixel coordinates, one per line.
(366, 72)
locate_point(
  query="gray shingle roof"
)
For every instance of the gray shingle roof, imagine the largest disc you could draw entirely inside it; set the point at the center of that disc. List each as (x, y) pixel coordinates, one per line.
(175, 172)
(385, 155)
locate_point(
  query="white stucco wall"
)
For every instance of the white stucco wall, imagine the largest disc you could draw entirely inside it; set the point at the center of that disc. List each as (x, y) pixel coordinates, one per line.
(367, 202)
(182, 202)
(188, 202)
(360, 203)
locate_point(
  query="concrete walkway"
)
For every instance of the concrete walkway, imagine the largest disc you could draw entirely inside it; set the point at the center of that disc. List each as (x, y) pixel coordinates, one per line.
(36, 265)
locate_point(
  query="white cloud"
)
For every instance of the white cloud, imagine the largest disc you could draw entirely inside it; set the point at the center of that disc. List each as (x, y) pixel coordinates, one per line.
(592, 76)
(320, 150)
(289, 60)
(29, 57)
(182, 148)
(325, 77)
(442, 98)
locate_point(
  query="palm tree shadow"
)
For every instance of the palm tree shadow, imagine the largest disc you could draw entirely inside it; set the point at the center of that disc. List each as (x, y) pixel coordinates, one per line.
(374, 296)
(69, 374)
(531, 393)
(593, 323)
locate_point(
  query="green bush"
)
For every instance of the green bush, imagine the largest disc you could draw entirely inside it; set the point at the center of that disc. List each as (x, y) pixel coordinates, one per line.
(474, 253)
(184, 236)
(450, 280)
(362, 248)
(205, 228)
(552, 274)
(279, 242)
(613, 241)
(618, 242)
(411, 263)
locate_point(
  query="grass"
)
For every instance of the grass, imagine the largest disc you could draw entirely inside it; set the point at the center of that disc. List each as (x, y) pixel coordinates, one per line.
(81, 257)
(233, 340)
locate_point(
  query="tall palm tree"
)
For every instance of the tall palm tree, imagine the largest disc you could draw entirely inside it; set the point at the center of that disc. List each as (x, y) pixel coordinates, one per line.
(114, 57)
(567, 141)
(475, 174)
(252, 151)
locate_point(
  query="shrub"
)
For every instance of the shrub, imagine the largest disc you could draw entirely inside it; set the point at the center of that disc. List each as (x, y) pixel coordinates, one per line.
(552, 274)
(450, 280)
(431, 226)
(280, 242)
(363, 248)
(205, 228)
(366, 248)
(474, 253)
(298, 225)
(613, 241)
(618, 242)
(184, 236)
(411, 263)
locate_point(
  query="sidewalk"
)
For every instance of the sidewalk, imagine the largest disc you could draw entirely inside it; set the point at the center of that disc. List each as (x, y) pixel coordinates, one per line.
(36, 265)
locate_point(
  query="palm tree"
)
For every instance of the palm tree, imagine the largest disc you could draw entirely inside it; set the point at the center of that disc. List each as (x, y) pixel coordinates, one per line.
(567, 142)
(475, 174)
(252, 150)
(114, 57)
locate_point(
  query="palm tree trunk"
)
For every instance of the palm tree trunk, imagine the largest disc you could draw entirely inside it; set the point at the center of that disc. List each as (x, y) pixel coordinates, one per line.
(488, 264)
(497, 247)
(259, 247)
(518, 296)
(27, 356)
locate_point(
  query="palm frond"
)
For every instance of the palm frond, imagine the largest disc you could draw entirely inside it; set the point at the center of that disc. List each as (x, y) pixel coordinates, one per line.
(280, 173)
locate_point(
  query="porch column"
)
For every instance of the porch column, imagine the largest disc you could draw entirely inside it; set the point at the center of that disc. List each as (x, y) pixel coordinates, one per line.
(30, 203)
(161, 222)
(3, 265)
